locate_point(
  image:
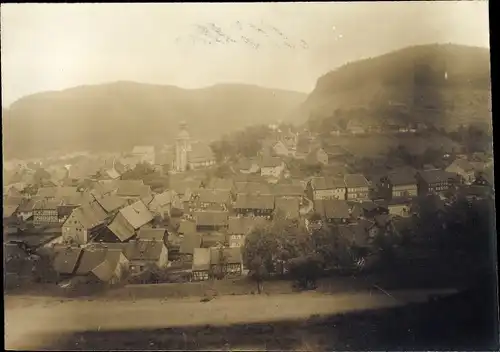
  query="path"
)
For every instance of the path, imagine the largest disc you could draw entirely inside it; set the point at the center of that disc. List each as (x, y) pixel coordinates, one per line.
(28, 326)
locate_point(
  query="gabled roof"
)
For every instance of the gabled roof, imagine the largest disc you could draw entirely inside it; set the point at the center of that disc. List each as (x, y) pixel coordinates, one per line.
(181, 186)
(334, 208)
(26, 206)
(137, 214)
(9, 210)
(201, 259)
(132, 188)
(111, 203)
(355, 180)
(90, 215)
(402, 176)
(253, 201)
(151, 234)
(145, 250)
(244, 225)
(271, 162)
(211, 218)
(121, 228)
(101, 188)
(9, 200)
(213, 196)
(229, 256)
(187, 226)
(200, 152)
(190, 242)
(223, 184)
(284, 190)
(463, 164)
(66, 260)
(322, 183)
(433, 176)
(254, 188)
(289, 206)
(52, 192)
(46, 204)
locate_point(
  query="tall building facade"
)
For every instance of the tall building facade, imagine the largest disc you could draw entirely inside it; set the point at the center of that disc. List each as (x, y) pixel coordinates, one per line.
(182, 148)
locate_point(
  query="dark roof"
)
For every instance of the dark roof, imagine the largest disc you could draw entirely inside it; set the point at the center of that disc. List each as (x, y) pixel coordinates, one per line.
(244, 225)
(149, 233)
(332, 208)
(26, 206)
(433, 176)
(289, 206)
(145, 250)
(211, 218)
(90, 259)
(133, 188)
(46, 204)
(402, 176)
(190, 242)
(121, 228)
(251, 201)
(181, 186)
(229, 255)
(355, 180)
(212, 239)
(66, 260)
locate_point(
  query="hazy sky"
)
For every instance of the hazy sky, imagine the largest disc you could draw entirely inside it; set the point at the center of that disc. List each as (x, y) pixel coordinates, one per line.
(57, 46)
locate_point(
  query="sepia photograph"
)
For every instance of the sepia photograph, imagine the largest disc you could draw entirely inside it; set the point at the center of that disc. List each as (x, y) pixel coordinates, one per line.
(287, 176)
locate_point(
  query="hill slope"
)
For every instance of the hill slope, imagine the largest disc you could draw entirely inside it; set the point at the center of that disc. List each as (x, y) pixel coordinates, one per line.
(119, 115)
(442, 84)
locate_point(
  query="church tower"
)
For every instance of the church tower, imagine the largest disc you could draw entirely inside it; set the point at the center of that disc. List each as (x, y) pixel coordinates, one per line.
(182, 148)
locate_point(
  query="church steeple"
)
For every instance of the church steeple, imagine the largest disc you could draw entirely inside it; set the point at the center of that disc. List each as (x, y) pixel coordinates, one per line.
(182, 147)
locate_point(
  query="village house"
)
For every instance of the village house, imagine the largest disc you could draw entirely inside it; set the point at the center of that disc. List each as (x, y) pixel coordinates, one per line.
(401, 183)
(132, 189)
(201, 264)
(464, 169)
(84, 223)
(101, 264)
(163, 203)
(152, 234)
(102, 188)
(66, 261)
(107, 175)
(317, 156)
(367, 209)
(434, 181)
(200, 156)
(186, 226)
(256, 204)
(211, 220)
(146, 254)
(249, 166)
(144, 154)
(25, 210)
(288, 207)
(357, 187)
(400, 207)
(45, 212)
(128, 220)
(281, 149)
(272, 167)
(226, 262)
(239, 227)
(181, 187)
(253, 188)
(213, 199)
(355, 127)
(111, 203)
(189, 242)
(214, 239)
(332, 210)
(57, 192)
(221, 184)
(326, 188)
(289, 191)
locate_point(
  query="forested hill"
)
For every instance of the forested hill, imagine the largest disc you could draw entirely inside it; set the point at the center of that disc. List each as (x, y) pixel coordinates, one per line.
(117, 116)
(443, 84)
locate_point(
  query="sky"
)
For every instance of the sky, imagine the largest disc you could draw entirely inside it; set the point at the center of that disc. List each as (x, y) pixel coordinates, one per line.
(58, 46)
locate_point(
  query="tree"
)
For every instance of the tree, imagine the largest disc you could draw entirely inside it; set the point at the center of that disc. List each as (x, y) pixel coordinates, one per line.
(306, 269)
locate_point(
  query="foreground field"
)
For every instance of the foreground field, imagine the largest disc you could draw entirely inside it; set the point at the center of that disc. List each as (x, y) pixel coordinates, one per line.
(34, 323)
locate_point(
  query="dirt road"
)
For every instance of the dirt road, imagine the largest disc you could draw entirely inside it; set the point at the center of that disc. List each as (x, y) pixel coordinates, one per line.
(31, 322)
